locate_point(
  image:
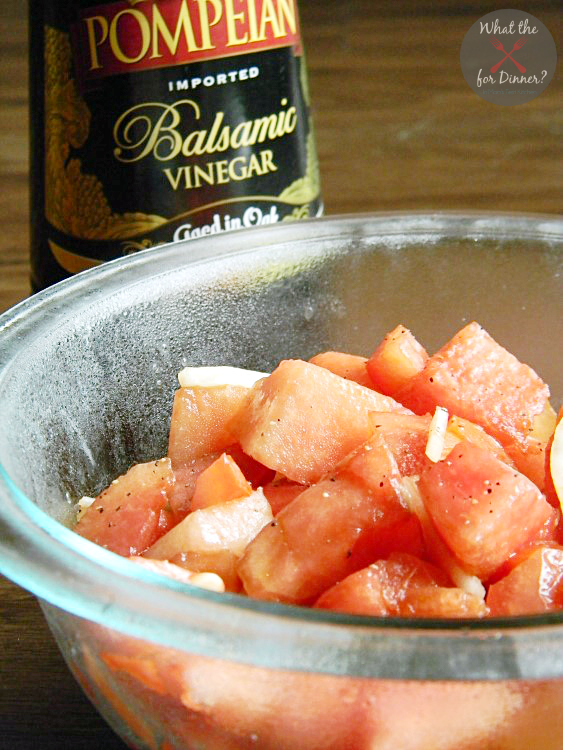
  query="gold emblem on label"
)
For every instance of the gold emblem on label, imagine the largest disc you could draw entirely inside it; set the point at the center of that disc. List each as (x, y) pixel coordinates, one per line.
(75, 202)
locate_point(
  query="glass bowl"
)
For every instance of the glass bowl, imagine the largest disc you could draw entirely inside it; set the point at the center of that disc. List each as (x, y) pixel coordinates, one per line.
(87, 374)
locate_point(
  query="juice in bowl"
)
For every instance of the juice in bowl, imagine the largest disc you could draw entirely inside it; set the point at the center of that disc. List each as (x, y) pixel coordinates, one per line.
(176, 665)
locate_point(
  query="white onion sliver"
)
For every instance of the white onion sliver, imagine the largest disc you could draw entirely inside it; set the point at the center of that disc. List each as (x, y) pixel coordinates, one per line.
(83, 504)
(437, 434)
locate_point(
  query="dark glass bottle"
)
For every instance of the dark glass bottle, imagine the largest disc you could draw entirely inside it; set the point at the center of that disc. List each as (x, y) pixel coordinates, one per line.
(157, 121)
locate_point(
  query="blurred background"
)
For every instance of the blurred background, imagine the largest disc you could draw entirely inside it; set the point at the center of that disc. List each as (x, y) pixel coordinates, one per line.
(397, 128)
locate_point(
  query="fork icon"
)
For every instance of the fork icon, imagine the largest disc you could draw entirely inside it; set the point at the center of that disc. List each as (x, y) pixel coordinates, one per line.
(517, 45)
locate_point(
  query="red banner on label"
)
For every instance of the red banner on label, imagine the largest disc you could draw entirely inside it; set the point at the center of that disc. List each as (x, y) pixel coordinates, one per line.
(124, 37)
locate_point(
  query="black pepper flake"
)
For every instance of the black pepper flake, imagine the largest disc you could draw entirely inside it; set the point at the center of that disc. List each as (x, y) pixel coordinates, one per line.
(100, 510)
(118, 508)
(431, 380)
(381, 484)
(274, 523)
(489, 490)
(128, 494)
(349, 553)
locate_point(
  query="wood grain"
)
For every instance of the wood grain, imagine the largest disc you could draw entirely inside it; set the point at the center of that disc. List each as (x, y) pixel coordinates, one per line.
(397, 128)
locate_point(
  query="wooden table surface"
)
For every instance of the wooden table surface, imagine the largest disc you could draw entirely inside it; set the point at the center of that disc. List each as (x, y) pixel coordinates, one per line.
(397, 128)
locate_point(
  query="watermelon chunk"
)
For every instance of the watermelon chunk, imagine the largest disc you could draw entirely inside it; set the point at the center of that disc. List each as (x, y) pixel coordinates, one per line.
(475, 378)
(442, 601)
(463, 429)
(335, 527)
(219, 482)
(380, 588)
(349, 366)
(229, 525)
(132, 513)
(256, 473)
(534, 585)
(221, 562)
(483, 509)
(185, 478)
(406, 436)
(402, 585)
(187, 475)
(201, 421)
(303, 420)
(280, 493)
(396, 361)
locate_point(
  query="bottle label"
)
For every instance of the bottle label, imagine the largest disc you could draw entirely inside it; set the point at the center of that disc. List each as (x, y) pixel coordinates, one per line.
(173, 120)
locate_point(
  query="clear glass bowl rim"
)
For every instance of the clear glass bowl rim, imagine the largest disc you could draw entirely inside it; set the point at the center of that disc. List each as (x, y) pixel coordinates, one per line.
(85, 580)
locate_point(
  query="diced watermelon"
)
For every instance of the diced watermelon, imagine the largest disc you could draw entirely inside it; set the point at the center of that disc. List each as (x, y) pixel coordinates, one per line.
(406, 436)
(132, 513)
(139, 725)
(187, 475)
(397, 359)
(349, 366)
(222, 562)
(225, 705)
(143, 669)
(435, 548)
(483, 509)
(201, 421)
(221, 481)
(280, 493)
(257, 474)
(330, 530)
(403, 585)
(548, 534)
(360, 593)
(475, 378)
(380, 588)
(442, 602)
(303, 419)
(534, 585)
(463, 429)
(184, 485)
(228, 526)
(529, 459)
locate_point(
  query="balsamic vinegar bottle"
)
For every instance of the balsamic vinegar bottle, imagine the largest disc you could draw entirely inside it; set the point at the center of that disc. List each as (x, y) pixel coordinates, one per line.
(161, 121)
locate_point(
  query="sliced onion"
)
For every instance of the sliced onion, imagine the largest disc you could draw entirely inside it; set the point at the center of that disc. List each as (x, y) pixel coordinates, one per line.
(437, 434)
(83, 504)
